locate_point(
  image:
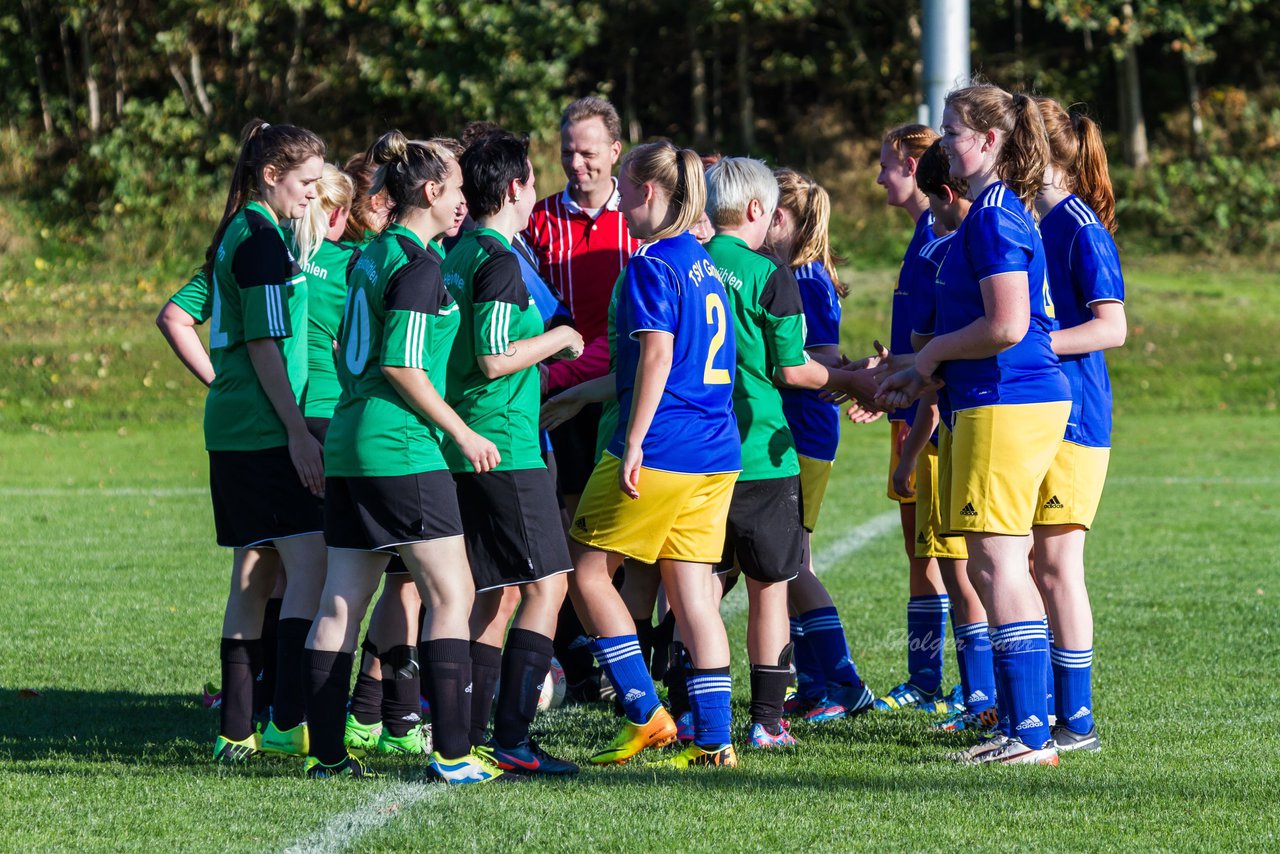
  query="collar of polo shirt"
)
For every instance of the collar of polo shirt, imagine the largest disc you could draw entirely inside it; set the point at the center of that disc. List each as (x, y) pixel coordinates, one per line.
(574, 208)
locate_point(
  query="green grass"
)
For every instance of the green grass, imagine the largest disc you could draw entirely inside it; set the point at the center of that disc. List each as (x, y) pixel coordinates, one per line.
(114, 595)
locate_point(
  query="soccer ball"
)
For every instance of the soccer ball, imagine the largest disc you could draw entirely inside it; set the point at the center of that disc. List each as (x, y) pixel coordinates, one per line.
(553, 688)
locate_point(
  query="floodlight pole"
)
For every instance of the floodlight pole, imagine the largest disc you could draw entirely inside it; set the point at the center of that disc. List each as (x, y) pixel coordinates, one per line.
(945, 53)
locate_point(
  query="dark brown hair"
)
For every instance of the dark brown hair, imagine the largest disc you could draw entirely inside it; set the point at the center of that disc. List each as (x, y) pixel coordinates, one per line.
(404, 166)
(933, 172)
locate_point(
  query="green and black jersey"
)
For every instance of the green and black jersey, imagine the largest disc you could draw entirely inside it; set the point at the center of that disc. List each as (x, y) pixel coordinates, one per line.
(195, 298)
(327, 273)
(259, 291)
(609, 409)
(768, 326)
(398, 314)
(483, 274)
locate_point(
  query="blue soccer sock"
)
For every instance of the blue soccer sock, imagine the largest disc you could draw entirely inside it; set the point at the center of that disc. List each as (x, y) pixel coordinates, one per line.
(926, 631)
(1048, 670)
(825, 635)
(811, 684)
(974, 661)
(709, 692)
(625, 666)
(1073, 687)
(1021, 652)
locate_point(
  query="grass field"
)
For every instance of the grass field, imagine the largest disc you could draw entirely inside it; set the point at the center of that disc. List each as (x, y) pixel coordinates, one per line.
(113, 600)
(114, 591)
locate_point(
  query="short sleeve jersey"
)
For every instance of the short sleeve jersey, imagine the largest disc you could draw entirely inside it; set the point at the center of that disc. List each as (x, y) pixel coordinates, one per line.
(910, 275)
(496, 310)
(998, 236)
(769, 333)
(195, 298)
(327, 274)
(259, 292)
(1084, 268)
(815, 423)
(671, 287)
(609, 409)
(398, 314)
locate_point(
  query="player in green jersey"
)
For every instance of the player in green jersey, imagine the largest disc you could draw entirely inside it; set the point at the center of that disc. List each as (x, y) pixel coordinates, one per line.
(765, 517)
(513, 528)
(265, 469)
(389, 488)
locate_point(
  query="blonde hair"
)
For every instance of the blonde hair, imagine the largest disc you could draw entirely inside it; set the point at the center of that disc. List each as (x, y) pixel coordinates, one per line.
(678, 171)
(1025, 152)
(810, 204)
(731, 185)
(334, 191)
(910, 140)
(1075, 144)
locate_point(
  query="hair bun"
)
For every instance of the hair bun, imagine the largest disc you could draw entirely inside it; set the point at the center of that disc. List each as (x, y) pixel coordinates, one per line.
(389, 148)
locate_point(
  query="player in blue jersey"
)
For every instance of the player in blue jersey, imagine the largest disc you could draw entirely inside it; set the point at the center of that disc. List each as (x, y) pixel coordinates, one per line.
(828, 683)
(661, 492)
(1077, 217)
(1007, 393)
(917, 470)
(927, 606)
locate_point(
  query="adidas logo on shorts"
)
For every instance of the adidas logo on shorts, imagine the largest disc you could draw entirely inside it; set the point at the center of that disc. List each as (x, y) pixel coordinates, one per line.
(977, 697)
(1053, 504)
(580, 523)
(968, 510)
(1083, 711)
(633, 696)
(1030, 723)
(920, 538)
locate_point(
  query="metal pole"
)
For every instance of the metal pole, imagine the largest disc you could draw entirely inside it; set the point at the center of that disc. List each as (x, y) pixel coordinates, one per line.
(945, 49)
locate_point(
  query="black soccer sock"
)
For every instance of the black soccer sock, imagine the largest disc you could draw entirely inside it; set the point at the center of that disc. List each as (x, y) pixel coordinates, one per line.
(401, 684)
(486, 666)
(525, 663)
(265, 687)
(644, 636)
(572, 646)
(237, 687)
(288, 703)
(768, 692)
(327, 676)
(663, 637)
(366, 697)
(447, 665)
(676, 680)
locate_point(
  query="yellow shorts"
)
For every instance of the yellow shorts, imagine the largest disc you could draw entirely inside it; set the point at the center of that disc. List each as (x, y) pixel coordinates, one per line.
(999, 456)
(929, 539)
(1072, 489)
(814, 475)
(894, 457)
(677, 516)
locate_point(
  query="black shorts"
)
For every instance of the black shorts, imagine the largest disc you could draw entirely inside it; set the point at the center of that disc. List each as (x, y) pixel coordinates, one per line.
(513, 528)
(764, 530)
(376, 514)
(574, 443)
(258, 498)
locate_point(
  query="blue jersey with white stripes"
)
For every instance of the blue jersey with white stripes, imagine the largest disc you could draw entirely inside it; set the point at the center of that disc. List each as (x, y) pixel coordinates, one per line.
(910, 278)
(815, 423)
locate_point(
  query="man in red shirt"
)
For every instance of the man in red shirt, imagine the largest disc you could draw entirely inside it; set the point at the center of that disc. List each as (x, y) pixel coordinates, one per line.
(581, 243)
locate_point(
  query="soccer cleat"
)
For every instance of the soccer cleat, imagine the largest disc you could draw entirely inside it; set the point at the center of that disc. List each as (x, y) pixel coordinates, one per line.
(1065, 738)
(953, 702)
(228, 752)
(361, 738)
(693, 755)
(416, 742)
(211, 695)
(908, 696)
(761, 739)
(684, 728)
(658, 731)
(973, 755)
(961, 720)
(1016, 752)
(527, 758)
(472, 768)
(845, 701)
(288, 742)
(349, 767)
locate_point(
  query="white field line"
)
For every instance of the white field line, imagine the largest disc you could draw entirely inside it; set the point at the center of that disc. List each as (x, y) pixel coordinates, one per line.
(854, 540)
(345, 829)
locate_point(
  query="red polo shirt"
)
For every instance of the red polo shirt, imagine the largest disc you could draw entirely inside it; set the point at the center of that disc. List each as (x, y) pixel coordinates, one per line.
(580, 258)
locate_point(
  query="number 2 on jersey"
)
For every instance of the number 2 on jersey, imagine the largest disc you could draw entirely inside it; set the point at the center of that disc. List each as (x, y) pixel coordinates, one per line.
(716, 317)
